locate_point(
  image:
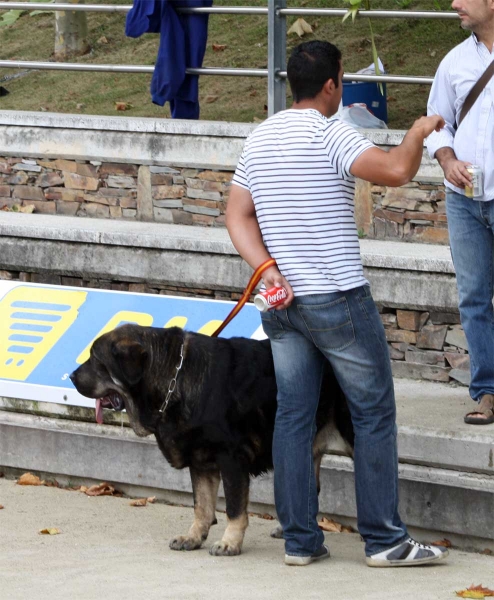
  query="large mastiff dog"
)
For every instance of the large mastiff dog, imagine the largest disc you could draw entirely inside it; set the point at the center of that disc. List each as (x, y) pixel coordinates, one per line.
(211, 403)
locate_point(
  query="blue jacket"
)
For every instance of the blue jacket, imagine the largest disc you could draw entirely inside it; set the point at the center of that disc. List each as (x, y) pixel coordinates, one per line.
(183, 41)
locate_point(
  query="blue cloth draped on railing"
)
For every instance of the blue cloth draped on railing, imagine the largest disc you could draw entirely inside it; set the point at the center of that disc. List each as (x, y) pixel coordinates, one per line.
(183, 39)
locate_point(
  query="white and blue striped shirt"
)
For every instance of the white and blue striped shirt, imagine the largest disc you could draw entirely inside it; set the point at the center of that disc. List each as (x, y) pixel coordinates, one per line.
(296, 165)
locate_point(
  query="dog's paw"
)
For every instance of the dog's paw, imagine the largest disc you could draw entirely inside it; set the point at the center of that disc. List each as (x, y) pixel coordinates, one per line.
(277, 532)
(224, 549)
(182, 542)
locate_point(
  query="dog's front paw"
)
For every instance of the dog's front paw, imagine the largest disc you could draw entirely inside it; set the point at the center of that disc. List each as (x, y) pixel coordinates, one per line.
(277, 532)
(183, 542)
(225, 549)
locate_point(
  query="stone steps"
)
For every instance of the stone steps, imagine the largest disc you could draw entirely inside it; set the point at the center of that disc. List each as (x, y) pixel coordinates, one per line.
(446, 467)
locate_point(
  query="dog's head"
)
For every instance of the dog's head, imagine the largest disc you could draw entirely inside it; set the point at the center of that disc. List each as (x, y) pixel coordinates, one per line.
(113, 372)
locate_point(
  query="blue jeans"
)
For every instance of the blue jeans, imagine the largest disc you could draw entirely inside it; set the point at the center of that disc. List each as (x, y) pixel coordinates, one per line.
(471, 236)
(345, 328)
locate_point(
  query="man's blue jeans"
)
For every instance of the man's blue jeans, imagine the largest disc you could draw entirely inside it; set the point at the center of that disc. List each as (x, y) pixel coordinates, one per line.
(345, 328)
(471, 237)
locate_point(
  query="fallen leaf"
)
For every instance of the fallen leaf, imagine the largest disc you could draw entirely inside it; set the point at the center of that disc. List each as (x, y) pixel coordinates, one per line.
(139, 502)
(152, 500)
(444, 542)
(54, 484)
(103, 489)
(300, 27)
(123, 105)
(476, 591)
(103, 40)
(487, 551)
(83, 489)
(29, 479)
(219, 47)
(50, 531)
(253, 93)
(1, 506)
(27, 209)
(330, 525)
(210, 99)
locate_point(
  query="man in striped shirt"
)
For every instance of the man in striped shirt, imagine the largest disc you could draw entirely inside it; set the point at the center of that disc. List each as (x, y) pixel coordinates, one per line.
(292, 200)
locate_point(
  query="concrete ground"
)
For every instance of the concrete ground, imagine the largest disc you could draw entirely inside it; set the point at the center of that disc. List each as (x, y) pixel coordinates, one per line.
(110, 550)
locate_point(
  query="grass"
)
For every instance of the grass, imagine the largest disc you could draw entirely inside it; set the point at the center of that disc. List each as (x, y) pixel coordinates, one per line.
(406, 47)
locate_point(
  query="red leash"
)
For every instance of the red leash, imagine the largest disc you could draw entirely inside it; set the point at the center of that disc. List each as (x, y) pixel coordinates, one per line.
(254, 280)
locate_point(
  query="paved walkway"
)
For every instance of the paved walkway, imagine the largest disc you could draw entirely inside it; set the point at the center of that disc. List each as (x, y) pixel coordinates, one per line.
(109, 550)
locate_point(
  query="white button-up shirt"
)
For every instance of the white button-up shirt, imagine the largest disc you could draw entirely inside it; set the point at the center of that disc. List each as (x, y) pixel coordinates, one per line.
(473, 142)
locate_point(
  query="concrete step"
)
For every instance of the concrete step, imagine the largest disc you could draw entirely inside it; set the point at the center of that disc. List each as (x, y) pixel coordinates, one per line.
(446, 466)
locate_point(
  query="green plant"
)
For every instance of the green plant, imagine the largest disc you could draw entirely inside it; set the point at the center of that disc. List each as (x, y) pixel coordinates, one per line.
(355, 6)
(11, 16)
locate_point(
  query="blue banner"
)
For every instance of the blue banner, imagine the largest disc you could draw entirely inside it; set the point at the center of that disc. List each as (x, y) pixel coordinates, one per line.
(46, 331)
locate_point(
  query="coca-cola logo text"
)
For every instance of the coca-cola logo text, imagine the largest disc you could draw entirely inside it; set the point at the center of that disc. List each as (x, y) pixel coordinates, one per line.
(278, 296)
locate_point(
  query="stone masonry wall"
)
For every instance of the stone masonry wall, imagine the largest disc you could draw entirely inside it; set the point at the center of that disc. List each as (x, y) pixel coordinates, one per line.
(114, 190)
(415, 212)
(422, 345)
(427, 345)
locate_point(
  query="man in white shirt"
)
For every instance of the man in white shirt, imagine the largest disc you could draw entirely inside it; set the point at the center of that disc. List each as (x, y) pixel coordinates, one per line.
(292, 200)
(470, 220)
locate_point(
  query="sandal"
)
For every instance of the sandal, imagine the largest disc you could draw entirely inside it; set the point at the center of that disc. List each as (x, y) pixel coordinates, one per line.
(486, 407)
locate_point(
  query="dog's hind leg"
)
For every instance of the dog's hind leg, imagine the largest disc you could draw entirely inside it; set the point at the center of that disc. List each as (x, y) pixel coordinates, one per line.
(236, 485)
(205, 489)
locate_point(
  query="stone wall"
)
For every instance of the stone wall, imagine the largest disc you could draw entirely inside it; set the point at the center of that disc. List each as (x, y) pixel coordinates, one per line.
(415, 212)
(427, 345)
(114, 190)
(189, 196)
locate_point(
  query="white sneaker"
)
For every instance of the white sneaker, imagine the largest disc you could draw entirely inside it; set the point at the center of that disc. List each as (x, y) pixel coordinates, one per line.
(301, 561)
(407, 554)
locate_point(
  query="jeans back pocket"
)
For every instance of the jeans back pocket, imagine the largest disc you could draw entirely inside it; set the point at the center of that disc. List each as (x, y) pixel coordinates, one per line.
(330, 325)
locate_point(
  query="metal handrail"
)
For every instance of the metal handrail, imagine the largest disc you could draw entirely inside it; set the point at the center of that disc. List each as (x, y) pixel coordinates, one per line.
(233, 72)
(246, 10)
(276, 12)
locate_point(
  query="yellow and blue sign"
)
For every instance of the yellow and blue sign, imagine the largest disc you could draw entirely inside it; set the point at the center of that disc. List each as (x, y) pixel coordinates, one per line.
(46, 331)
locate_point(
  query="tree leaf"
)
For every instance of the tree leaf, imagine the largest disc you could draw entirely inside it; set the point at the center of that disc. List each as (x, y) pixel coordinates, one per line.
(29, 479)
(10, 17)
(50, 531)
(300, 27)
(103, 489)
(139, 502)
(475, 591)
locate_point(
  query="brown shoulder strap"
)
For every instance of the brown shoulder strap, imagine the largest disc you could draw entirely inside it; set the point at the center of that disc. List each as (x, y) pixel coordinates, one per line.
(475, 92)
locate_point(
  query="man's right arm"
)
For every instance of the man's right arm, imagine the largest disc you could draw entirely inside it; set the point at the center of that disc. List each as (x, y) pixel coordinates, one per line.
(455, 171)
(440, 145)
(398, 166)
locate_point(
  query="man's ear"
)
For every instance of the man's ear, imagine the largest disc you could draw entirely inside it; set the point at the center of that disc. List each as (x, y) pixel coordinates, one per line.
(131, 358)
(329, 87)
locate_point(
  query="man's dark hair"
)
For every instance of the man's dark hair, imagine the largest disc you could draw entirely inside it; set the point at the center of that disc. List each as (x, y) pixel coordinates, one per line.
(311, 64)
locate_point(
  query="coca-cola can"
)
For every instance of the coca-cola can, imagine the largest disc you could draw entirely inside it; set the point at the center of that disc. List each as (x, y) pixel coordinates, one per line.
(270, 298)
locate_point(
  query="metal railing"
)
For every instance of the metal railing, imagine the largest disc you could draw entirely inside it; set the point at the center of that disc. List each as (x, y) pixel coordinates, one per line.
(276, 11)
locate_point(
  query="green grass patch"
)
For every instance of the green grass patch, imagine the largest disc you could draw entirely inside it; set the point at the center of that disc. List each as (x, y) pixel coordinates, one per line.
(406, 47)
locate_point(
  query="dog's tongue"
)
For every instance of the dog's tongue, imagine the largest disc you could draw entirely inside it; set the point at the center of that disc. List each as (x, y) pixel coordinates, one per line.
(99, 411)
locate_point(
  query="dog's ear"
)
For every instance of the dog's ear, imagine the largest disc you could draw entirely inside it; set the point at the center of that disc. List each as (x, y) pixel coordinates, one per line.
(131, 357)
